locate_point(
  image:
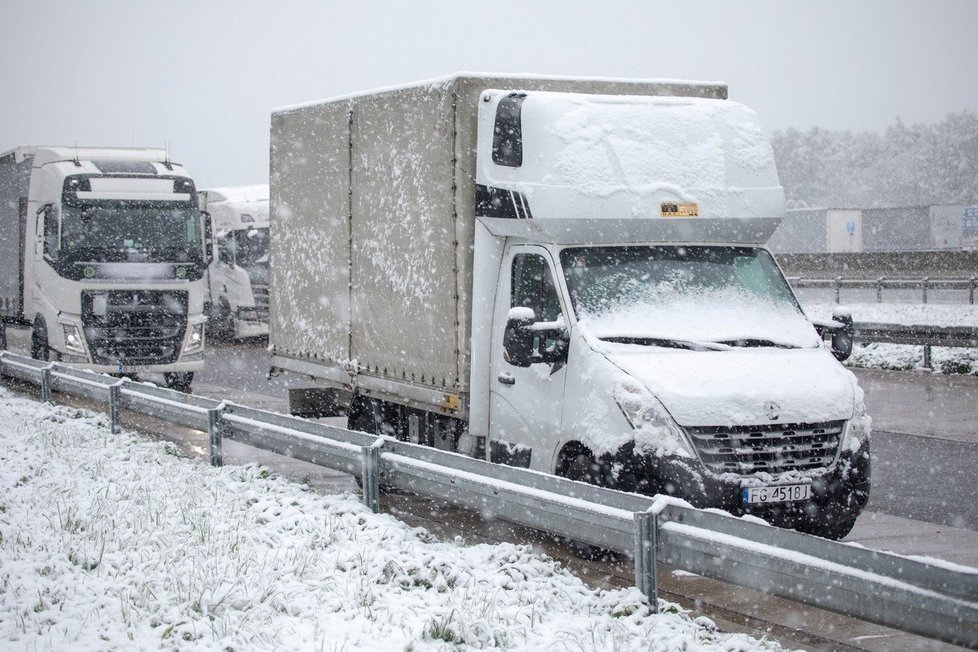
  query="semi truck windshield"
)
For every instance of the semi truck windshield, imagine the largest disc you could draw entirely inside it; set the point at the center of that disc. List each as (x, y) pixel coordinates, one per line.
(703, 294)
(131, 231)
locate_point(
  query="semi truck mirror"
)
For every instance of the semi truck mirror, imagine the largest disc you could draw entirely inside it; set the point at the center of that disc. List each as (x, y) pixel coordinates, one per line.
(842, 337)
(518, 339)
(208, 237)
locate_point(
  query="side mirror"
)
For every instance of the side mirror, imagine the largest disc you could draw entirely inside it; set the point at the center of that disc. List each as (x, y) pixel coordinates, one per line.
(208, 237)
(517, 338)
(841, 345)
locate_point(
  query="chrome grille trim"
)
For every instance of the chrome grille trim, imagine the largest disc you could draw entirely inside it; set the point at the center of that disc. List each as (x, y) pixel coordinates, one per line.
(773, 448)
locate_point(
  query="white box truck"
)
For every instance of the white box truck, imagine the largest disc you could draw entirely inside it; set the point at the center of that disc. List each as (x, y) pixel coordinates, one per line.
(103, 254)
(567, 275)
(238, 305)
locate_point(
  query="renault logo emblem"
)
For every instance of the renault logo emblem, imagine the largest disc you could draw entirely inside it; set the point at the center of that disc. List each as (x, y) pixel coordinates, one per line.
(772, 410)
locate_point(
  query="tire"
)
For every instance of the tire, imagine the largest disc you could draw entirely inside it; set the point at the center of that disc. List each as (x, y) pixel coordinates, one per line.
(180, 381)
(361, 416)
(39, 341)
(578, 463)
(831, 522)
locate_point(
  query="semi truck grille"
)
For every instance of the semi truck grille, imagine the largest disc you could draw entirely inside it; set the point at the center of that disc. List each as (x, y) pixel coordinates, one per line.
(134, 327)
(772, 448)
(260, 293)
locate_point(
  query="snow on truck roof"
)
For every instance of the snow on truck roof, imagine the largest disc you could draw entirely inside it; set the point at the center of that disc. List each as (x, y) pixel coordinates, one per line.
(44, 154)
(717, 88)
(243, 194)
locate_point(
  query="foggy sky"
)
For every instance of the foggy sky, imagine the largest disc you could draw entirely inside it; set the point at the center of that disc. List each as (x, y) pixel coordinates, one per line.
(203, 76)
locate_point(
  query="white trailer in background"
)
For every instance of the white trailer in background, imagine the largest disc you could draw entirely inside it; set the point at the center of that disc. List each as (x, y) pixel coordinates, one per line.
(104, 253)
(239, 275)
(567, 275)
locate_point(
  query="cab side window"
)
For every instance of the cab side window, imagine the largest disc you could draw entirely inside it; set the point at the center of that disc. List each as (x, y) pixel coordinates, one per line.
(533, 287)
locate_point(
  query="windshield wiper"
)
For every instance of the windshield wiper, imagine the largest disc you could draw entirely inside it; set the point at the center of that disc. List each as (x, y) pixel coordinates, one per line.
(750, 342)
(669, 343)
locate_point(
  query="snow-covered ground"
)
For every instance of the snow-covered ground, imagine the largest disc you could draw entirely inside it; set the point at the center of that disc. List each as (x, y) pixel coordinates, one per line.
(112, 542)
(904, 357)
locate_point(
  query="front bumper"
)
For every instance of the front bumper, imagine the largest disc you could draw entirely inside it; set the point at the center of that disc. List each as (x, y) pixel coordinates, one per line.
(179, 366)
(842, 488)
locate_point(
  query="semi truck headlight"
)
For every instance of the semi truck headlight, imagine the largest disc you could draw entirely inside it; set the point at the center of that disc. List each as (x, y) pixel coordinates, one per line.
(195, 342)
(655, 429)
(73, 339)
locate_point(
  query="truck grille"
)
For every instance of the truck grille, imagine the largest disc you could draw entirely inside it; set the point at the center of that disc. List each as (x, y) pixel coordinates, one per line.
(772, 448)
(260, 293)
(134, 327)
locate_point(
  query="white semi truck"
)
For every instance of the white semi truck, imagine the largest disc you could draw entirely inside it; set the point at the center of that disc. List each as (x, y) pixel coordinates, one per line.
(238, 306)
(567, 275)
(103, 254)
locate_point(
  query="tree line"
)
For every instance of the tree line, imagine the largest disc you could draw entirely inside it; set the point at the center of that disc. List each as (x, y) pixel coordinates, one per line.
(916, 165)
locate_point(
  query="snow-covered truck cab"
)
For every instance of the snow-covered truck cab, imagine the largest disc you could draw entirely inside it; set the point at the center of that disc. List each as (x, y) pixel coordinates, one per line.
(641, 335)
(115, 260)
(239, 275)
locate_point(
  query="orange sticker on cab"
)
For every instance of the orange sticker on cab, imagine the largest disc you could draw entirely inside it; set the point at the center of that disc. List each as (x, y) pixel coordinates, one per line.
(680, 210)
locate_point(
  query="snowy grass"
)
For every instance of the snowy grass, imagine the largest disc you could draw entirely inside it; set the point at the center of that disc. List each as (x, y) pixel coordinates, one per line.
(904, 357)
(111, 542)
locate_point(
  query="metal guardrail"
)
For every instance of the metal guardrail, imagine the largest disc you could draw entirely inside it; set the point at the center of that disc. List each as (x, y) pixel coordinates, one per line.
(838, 284)
(908, 594)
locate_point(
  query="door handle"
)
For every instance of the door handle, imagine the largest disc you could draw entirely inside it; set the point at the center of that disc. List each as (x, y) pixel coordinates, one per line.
(506, 379)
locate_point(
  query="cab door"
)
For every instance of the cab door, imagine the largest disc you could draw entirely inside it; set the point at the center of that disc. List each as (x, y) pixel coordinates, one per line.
(526, 399)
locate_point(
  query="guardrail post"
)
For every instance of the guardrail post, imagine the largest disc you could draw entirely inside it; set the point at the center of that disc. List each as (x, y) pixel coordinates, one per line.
(46, 383)
(926, 283)
(927, 364)
(971, 290)
(114, 406)
(646, 525)
(838, 288)
(370, 475)
(879, 289)
(214, 437)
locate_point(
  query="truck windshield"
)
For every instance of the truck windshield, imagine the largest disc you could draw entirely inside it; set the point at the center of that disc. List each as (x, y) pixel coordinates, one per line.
(129, 231)
(685, 297)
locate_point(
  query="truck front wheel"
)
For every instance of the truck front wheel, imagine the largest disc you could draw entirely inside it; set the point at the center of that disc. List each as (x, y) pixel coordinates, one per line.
(577, 463)
(179, 381)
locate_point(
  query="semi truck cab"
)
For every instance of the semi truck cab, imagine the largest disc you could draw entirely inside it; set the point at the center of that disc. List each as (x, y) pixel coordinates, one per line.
(115, 257)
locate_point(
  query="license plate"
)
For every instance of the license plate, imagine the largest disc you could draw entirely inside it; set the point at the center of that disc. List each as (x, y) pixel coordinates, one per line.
(776, 494)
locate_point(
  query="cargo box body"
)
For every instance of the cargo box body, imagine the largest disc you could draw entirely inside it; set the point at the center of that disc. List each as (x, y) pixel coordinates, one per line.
(375, 195)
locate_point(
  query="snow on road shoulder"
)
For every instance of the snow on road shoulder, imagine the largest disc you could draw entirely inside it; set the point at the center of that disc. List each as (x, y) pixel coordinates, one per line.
(110, 542)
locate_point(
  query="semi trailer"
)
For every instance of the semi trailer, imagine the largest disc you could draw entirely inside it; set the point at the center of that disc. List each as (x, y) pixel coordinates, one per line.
(103, 255)
(568, 275)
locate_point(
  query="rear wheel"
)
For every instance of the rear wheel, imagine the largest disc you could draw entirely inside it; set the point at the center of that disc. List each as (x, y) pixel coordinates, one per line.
(179, 381)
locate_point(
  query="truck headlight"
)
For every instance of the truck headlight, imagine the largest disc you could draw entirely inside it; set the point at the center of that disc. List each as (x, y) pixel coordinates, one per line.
(195, 341)
(73, 339)
(860, 425)
(655, 430)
